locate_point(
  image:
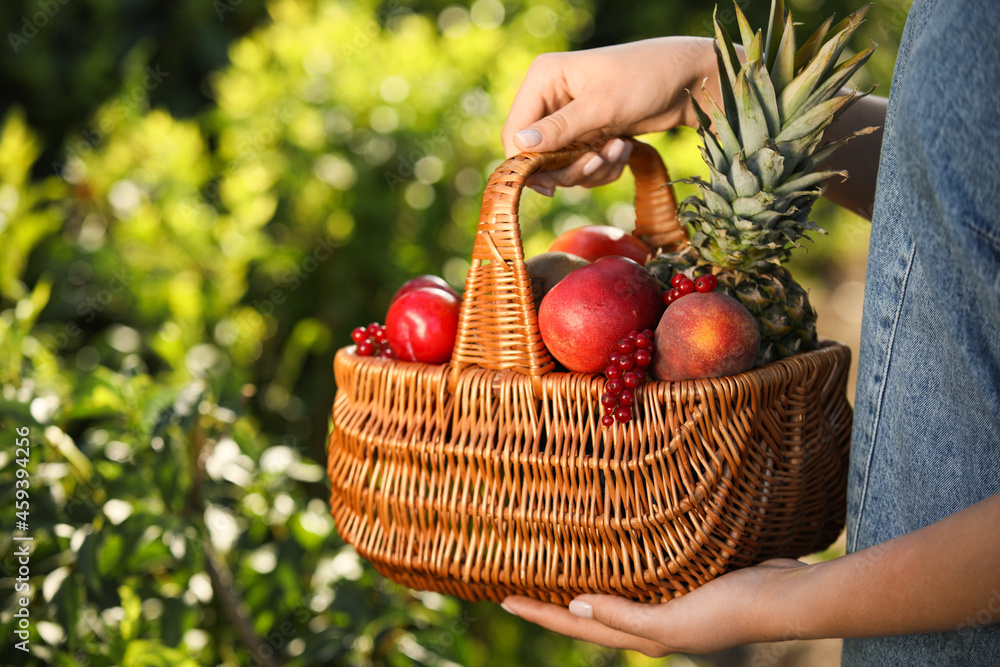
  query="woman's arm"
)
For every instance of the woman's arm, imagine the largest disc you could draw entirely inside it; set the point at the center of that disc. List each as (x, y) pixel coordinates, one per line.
(945, 576)
(858, 157)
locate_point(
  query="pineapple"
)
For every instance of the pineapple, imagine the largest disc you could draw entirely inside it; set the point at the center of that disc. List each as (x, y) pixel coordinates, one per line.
(761, 159)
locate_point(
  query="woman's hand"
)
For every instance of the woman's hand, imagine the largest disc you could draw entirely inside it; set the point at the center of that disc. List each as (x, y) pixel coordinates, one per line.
(731, 610)
(613, 91)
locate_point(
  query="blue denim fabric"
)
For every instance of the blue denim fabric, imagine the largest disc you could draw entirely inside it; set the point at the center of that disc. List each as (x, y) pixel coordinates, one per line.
(926, 440)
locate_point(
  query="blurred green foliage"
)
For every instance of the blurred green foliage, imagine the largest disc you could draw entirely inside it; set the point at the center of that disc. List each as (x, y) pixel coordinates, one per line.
(194, 212)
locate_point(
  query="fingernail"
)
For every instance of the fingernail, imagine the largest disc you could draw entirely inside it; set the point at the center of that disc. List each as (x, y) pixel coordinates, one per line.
(529, 138)
(581, 609)
(542, 190)
(503, 605)
(615, 149)
(626, 152)
(592, 165)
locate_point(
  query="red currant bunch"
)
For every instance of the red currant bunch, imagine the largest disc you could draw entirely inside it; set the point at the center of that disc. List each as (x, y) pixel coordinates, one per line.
(626, 370)
(372, 341)
(681, 285)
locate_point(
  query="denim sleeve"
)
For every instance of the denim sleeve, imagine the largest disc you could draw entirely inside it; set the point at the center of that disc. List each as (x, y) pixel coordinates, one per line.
(951, 159)
(926, 439)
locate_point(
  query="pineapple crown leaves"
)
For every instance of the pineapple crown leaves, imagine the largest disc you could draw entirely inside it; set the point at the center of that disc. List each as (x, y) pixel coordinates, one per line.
(769, 123)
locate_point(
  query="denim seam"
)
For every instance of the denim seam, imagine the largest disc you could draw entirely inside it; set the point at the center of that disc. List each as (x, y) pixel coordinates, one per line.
(881, 392)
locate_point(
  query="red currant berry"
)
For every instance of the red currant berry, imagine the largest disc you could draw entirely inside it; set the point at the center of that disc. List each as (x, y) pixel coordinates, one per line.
(675, 294)
(373, 328)
(685, 286)
(626, 398)
(632, 334)
(610, 409)
(613, 372)
(608, 420)
(668, 297)
(608, 399)
(643, 358)
(643, 340)
(359, 334)
(677, 278)
(632, 379)
(627, 345)
(613, 386)
(613, 358)
(366, 348)
(623, 415)
(387, 353)
(626, 362)
(706, 283)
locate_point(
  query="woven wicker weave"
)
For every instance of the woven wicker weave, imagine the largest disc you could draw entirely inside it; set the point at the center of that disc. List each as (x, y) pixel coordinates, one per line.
(492, 475)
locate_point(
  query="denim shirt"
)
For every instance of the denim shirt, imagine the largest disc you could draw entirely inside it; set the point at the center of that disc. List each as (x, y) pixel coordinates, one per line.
(926, 440)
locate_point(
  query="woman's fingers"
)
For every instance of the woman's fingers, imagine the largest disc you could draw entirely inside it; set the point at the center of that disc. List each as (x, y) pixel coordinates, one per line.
(559, 619)
(591, 170)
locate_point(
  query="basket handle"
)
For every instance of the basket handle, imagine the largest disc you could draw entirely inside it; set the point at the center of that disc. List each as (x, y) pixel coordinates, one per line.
(498, 325)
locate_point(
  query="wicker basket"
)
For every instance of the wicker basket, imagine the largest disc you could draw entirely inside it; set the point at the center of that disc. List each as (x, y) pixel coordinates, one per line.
(492, 475)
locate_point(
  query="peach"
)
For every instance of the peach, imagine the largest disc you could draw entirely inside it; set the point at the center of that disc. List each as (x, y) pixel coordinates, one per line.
(705, 335)
(584, 316)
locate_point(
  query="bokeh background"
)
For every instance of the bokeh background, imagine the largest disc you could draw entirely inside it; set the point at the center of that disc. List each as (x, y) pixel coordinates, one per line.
(198, 201)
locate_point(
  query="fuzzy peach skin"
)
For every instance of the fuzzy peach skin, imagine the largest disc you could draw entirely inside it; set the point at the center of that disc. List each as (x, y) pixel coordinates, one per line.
(704, 335)
(585, 315)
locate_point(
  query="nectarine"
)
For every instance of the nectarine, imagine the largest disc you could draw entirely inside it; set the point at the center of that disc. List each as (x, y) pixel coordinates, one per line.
(704, 335)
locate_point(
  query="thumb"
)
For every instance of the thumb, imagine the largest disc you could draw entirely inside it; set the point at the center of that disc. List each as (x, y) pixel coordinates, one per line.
(571, 122)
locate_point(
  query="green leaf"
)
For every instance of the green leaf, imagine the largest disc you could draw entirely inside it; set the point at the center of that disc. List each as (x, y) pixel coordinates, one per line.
(795, 150)
(132, 606)
(718, 156)
(817, 158)
(810, 48)
(748, 207)
(799, 182)
(148, 653)
(806, 81)
(768, 165)
(719, 182)
(753, 123)
(110, 556)
(753, 51)
(730, 143)
(783, 65)
(774, 32)
(746, 32)
(762, 86)
(835, 81)
(725, 85)
(743, 180)
(717, 203)
(816, 118)
(726, 51)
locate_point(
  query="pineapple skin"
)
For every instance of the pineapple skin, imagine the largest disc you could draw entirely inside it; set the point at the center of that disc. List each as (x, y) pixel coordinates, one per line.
(786, 319)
